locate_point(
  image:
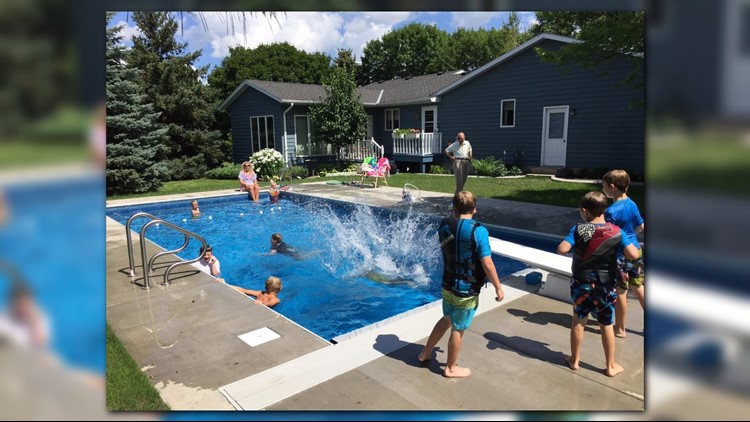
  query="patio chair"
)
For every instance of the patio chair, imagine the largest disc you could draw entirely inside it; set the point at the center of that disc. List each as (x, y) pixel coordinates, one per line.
(381, 170)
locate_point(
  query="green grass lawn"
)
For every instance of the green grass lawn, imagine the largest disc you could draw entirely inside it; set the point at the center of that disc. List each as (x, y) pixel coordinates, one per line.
(185, 186)
(534, 189)
(705, 162)
(26, 154)
(127, 386)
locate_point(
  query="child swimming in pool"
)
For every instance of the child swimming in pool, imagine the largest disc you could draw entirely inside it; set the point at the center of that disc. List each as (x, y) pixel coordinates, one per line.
(196, 211)
(273, 192)
(268, 297)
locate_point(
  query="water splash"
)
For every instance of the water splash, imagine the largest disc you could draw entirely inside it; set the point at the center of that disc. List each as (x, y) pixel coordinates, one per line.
(391, 249)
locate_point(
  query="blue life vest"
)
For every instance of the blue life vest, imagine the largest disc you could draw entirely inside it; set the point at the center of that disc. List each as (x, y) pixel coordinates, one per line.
(463, 274)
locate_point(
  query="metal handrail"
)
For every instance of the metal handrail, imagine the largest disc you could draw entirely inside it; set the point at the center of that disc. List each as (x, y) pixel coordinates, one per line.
(147, 270)
(131, 260)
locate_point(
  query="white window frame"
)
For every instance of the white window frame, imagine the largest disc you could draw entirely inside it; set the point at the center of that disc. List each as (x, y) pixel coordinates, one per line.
(390, 122)
(502, 112)
(256, 142)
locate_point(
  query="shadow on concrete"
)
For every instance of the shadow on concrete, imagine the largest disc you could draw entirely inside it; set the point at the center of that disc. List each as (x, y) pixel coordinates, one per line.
(407, 352)
(544, 318)
(530, 348)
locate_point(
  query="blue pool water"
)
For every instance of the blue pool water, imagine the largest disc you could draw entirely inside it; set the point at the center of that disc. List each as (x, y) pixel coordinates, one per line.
(361, 264)
(54, 241)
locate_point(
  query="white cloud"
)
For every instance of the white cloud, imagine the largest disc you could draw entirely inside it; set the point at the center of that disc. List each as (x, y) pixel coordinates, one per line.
(475, 20)
(308, 31)
(527, 19)
(129, 29)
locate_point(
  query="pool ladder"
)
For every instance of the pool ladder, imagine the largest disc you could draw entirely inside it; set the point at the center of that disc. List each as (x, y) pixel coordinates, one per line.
(148, 269)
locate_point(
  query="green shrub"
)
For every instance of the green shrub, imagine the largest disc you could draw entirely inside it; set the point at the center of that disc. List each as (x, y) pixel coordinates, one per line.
(323, 169)
(437, 169)
(352, 168)
(514, 171)
(227, 171)
(489, 166)
(295, 172)
(66, 125)
(184, 168)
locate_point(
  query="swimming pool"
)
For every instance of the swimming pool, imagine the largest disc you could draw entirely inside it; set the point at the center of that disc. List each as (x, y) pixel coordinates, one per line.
(360, 264)
(53, 240)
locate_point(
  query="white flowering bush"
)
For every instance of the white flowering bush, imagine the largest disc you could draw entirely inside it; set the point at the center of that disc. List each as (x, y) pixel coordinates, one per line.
(267, 163)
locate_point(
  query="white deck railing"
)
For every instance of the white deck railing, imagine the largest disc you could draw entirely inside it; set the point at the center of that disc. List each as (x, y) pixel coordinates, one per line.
(418, 144)
(361, 149)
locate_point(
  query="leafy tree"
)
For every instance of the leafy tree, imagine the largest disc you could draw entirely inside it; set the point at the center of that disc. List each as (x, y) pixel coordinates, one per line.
(475, 48)
(280, 62)
(416, 49)
(340, 118)
(172, 83)
(38, 61)
(133, 134)
(345, 58)
(606, 36)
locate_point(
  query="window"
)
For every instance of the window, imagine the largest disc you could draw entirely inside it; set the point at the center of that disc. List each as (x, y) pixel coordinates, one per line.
(508, 113)
(262, 133)
(392, 118)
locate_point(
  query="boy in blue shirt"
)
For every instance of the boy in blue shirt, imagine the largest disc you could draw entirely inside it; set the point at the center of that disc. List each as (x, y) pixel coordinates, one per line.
(625, 214)
(467, 267)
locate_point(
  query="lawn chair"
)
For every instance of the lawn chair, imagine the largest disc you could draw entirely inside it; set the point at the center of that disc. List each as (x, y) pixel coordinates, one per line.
(383, 169)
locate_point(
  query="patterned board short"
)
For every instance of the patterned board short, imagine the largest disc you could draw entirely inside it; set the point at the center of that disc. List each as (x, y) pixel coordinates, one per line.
(631, 272)
(591, 297)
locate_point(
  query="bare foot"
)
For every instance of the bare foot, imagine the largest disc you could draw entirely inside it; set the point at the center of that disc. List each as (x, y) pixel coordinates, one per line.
(620, 333)
(457, 372)
(571, 365)
(614, 370)
(424, 361)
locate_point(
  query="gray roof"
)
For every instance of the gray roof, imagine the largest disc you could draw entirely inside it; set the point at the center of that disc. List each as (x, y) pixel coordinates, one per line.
(416, 89)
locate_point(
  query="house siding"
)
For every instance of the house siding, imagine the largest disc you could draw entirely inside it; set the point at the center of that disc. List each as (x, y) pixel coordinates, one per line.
(252, 103)
(410, 117)
(604, 132)
(686, 63)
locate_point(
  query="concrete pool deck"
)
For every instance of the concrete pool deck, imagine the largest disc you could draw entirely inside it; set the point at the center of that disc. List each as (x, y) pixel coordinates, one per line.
(185, 338)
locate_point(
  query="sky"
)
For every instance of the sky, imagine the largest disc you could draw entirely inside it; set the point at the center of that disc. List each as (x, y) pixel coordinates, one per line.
(308, 31)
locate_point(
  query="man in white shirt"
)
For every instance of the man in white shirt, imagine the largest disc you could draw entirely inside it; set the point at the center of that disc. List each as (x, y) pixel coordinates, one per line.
(460, 153)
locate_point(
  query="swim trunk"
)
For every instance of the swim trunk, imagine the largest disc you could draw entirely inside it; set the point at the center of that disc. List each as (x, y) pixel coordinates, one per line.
(591, 297)
(631, 271)
(461, 310)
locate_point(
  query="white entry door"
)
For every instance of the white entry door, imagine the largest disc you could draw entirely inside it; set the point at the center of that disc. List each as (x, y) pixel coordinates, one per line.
(554, 136)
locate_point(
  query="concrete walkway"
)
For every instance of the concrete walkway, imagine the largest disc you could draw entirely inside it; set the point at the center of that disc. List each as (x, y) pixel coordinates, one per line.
(185, 338)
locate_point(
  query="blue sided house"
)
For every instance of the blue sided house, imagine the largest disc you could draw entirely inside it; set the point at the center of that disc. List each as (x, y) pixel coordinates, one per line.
(516, 108)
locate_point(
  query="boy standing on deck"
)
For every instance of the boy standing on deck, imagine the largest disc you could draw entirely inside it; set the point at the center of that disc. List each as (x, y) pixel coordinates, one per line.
(625, 214)
(594, 276)
(467, 266)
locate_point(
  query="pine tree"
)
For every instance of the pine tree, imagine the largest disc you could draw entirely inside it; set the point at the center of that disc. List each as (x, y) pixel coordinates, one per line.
(173, 85)
(134, 136)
